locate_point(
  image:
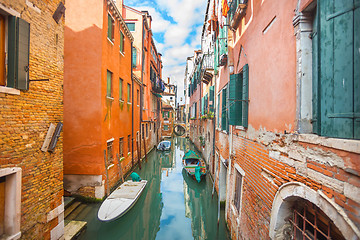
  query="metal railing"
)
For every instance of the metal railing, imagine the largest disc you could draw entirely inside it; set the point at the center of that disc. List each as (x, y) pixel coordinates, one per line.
(233, 6)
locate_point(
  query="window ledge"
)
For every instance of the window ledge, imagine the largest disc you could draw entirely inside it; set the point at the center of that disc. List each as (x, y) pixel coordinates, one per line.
(120, 100)
(111, 41)
(129, 153)
(129, 103)
(8, 90)
(348, 145)
(110, 166)
(123, 54)
(240, 128)
(110, 98)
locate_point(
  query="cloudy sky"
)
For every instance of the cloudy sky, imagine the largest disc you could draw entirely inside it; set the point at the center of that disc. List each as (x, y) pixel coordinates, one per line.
(177, 26)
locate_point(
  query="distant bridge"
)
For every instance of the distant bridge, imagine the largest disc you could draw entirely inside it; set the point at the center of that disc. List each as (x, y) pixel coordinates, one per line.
(179, 129)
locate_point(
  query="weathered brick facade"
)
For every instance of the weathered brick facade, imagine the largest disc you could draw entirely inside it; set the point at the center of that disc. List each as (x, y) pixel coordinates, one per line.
(25, 118)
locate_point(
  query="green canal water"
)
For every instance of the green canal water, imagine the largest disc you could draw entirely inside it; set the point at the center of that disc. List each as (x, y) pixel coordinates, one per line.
(172, 206)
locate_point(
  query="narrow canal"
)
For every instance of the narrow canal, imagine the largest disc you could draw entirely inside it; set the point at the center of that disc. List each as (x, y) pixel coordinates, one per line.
(172, 206)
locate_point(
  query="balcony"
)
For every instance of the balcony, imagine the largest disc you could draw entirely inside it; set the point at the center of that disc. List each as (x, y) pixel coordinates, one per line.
(207, 67)
(157, 85)
(236, 12)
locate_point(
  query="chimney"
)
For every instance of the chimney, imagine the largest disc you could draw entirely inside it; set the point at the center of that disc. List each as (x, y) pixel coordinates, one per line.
(168, 80)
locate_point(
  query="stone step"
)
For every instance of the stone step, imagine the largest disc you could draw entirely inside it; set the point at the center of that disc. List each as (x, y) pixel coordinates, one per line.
(76, 212)
(71, 208)
(68, 201)
(73, 229)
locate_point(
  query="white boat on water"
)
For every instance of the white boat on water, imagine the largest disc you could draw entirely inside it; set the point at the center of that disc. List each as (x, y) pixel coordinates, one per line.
(121, 200)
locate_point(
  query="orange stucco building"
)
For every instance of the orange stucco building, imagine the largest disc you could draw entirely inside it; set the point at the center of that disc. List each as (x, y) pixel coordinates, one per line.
(100, 97)
(147, 67)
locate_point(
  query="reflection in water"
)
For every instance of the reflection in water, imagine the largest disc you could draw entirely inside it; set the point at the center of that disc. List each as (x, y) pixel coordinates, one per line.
(172, 206)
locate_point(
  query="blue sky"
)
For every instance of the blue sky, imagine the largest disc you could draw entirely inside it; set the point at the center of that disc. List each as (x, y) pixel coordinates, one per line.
(177, 26)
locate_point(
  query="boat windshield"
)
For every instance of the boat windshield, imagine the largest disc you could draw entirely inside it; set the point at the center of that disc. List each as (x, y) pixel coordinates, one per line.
(167, 144)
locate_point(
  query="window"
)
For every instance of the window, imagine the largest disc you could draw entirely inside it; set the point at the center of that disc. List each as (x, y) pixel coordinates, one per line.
(109, 84)
(238, 189)
(238, 98)
(165, 114)
(137, 96)
(224, 110)
(147, 131)
(134, 56)
(129, 143)
(10, 200)
(121, 147)
(121, 89)
(166, 127)
(336, 88)
(142, 130)
(128, 93)
(110, 153)
(131, 26)
(122, 42)
(309, 222)
(110, 31)
(14, 61)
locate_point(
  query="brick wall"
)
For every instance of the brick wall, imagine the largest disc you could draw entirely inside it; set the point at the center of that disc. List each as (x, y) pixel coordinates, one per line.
(25, 119)
(270, 160)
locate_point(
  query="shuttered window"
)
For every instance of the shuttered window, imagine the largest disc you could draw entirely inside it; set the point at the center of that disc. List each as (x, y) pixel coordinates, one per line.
(224, 110)
(122, 42)
(128, 93)
(239, 97)
(121, 89)
(110, 30)
(238, 190)
(134, 57)
(109, 86)
(18, 53)
(211, 98)
(336, 71)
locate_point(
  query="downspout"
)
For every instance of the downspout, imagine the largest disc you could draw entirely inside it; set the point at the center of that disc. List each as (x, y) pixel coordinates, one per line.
(142, 82)
(132, 110)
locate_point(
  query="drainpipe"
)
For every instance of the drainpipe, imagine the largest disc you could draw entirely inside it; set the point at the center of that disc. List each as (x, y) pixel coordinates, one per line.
(142, 81)
(132, 111)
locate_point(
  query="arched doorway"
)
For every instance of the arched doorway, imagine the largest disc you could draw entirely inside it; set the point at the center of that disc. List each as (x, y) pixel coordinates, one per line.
(298, 210)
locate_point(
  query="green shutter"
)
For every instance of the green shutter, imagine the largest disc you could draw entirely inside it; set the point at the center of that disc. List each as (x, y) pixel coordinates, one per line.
(22, 82)
(211, 98)
(315, 75)
(121, 89)
(245, 95)
(12, 53)
(109, 30)
(338, 76)
(235, 96)
(121, 42)
(357, 70)
(134, 53)
(18, 53)
(129, 93)
(224, 111)
(108, 84)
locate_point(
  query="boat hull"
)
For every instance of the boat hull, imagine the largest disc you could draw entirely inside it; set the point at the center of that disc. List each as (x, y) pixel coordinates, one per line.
(121, 200)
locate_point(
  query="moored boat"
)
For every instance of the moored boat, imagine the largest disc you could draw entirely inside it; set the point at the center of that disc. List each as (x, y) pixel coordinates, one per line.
(194, 165)
(121, 200)
(164, 145)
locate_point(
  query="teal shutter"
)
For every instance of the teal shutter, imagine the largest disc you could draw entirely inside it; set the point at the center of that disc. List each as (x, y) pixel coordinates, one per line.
(22, 82)
(202, 106)
(134, 53)
(357, 70)
(235, 95)
(121, 89)
(245, 96)
(18, 53)
(338, 76)
(211, 98)
(121, 42)
(218, 110)
(12, 53)
(224, 111)
(315, 74)
(109, 30)
(109, 84)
